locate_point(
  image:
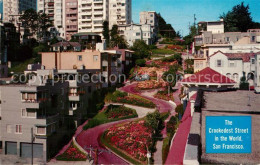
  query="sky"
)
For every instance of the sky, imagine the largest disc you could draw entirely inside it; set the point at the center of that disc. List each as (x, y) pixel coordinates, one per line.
(180, 13)
(1, 7)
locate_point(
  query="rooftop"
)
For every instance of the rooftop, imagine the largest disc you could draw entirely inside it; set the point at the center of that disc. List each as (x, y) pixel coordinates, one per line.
(208, 76)
(232, 104)
(234, 101)
(243, 56)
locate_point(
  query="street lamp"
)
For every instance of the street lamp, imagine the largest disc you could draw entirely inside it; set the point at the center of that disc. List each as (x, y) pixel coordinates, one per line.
(148, 156)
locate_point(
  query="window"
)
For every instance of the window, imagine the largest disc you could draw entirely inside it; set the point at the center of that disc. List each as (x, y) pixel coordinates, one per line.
(227, 39)
(95, 57)
(235, 76)
(41, 130)
(151, 21)
(80, 58)
(9, 128)
(138, 34)
(228, 75)
(232, 64)
(18, 129)
(253, 61)
(219, 63)
(253, 38)
(30, 113)
(151, 15)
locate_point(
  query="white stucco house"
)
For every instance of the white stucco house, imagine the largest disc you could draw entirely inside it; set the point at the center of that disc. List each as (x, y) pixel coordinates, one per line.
(134, 32)
(233, 65)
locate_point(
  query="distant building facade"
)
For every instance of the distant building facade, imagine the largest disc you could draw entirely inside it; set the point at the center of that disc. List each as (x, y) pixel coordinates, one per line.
(120, 12)
(16, 7)
(55, 11)
(150, 18)
(134, 32)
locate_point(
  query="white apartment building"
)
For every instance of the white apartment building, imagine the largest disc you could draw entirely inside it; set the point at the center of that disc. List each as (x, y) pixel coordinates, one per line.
(149, 17)
(91, 14)
(216, 26)
(120, 12)
(55, 11)
(16, 7)
(134, 32)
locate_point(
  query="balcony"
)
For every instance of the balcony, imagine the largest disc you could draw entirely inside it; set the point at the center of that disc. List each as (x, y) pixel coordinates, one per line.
(98, 18)
(98, 1)
(86, 7)
(86, 19)
(98, 7)
(47, 119)
(98, 13)
(86, 13)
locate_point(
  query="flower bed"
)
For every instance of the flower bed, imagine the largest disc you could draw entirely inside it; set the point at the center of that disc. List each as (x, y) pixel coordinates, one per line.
(164, 96)
(122, 97)
(136, 100)
(72, 154)
(151, 84)
(113, 112)
(131, 138)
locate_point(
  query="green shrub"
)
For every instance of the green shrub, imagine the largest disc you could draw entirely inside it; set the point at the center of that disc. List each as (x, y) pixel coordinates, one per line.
(171, 125)
(112, 113)
(165, 148)
(140, 62)
(179, 109)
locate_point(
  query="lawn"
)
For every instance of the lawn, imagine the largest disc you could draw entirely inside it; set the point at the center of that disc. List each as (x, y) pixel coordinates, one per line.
(19, 67)
(122, 97)
(162, 51)
(112, 113)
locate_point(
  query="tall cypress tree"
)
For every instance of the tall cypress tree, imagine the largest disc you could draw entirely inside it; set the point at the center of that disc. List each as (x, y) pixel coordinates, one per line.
(106, 31)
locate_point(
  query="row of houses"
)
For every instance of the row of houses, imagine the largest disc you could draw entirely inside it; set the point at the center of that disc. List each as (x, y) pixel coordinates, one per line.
(233, 54)
(221, 59)
(55, 99)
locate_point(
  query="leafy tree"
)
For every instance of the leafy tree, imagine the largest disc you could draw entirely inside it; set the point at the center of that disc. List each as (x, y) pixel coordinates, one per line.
(239, 19)
(153, 119)
(244, 85)
(116, 39)
(44, 23)
(106, 31)
(37, 23)
(190, 37)
(119, 41)
(164, 28)
(140, 62)
(114, 31)
(30, 20)
(141, 50)
(54, 40)
(170, 75)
